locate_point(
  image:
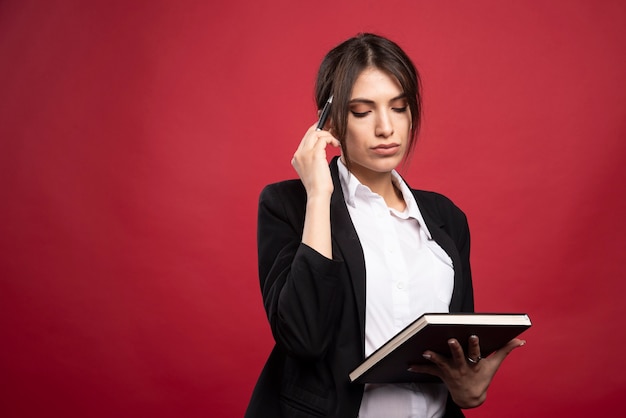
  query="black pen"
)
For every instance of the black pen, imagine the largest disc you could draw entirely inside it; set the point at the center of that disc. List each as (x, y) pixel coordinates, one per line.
(324, 114)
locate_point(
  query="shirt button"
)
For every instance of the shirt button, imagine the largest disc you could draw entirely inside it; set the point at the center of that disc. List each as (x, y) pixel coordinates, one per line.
(400, 285)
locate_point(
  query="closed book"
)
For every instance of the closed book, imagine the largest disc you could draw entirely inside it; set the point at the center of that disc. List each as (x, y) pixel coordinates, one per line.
(431, 331)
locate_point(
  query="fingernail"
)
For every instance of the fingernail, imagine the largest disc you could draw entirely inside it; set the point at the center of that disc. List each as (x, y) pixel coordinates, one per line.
(427, 356)
(474, 337)
(452, 341)
(522, 343)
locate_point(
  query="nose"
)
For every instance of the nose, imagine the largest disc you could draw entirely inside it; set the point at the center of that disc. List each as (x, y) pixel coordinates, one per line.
(384, 126)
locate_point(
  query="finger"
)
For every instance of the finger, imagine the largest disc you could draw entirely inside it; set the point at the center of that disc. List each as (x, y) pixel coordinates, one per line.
(473, 348)
(441, 364)
(324, 140)
(312, 148)
(312, 138)
(458, 357)
(307, 137)
(425, 368)
(313, 130)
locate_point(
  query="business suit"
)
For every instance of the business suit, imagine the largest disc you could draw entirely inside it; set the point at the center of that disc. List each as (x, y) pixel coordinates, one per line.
(316, 306)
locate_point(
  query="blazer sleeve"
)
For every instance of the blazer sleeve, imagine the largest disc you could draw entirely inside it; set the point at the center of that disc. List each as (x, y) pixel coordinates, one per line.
(300, 287)
(457, 227)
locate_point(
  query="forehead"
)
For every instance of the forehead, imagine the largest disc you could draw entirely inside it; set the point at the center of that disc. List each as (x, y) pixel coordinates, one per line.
(373, 83)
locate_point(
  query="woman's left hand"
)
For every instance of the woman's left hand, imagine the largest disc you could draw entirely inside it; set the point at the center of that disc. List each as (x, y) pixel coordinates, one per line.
(466, 376)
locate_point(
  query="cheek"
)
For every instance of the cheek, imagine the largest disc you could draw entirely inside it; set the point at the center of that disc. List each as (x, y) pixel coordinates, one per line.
(354, 134)
(404, 127)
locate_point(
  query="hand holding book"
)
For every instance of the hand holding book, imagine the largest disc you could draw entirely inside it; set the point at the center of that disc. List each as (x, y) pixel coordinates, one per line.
(431, 334)
(467, 375)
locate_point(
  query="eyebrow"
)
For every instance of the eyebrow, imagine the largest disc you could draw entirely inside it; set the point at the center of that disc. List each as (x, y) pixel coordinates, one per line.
(369, 101)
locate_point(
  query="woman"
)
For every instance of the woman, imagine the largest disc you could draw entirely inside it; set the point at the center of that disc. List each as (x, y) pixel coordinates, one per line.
(349, 254)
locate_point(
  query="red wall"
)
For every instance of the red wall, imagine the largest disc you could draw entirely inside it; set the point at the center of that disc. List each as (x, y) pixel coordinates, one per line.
(136, 136)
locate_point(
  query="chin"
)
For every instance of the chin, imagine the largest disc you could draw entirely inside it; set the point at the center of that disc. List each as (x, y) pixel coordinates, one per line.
(377, 164)
(385, 165)
(390, 162)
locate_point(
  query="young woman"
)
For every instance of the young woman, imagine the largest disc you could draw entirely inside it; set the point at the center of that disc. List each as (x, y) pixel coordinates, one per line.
(349, 254)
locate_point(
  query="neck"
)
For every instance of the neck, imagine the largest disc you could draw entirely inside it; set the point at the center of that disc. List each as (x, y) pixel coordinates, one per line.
(382, 184)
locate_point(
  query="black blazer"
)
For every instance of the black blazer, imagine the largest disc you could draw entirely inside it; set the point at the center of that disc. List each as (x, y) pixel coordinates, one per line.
(316, 306)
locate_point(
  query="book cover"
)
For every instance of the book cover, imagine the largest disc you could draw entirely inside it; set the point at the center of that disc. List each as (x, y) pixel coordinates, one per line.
(389, 363)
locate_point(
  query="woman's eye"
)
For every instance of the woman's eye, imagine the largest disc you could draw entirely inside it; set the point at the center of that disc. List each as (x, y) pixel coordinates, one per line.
(359, 114)
(400, 109)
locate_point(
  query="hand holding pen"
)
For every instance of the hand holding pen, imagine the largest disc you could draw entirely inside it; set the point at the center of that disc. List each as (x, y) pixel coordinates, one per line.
(310, 159)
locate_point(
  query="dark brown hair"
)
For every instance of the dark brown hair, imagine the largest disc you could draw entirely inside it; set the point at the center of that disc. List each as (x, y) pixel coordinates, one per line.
(342, 66)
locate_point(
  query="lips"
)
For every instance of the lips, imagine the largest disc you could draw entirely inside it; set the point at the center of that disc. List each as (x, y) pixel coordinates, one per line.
(386, 149)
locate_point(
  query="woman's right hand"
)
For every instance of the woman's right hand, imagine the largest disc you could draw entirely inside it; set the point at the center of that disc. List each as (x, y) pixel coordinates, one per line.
(311, 164)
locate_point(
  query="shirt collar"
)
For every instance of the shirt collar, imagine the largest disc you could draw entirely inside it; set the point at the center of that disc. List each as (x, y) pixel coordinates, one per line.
(350, 184)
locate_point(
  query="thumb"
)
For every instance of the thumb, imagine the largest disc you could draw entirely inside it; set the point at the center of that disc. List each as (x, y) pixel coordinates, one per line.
(507, 349)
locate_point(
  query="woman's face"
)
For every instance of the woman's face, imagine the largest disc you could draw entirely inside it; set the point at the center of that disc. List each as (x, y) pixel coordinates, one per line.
(379, 122)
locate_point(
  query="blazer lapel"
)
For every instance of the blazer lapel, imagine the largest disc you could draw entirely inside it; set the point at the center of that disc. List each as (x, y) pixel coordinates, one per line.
(347, 244)
(436, 227)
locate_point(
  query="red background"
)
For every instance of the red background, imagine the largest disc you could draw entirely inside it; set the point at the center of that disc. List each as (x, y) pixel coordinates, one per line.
(136, 137)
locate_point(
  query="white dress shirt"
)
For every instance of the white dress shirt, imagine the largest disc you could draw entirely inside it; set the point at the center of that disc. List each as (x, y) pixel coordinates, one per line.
(407, 274)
